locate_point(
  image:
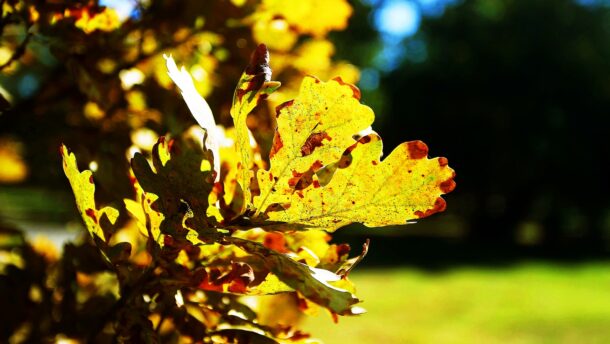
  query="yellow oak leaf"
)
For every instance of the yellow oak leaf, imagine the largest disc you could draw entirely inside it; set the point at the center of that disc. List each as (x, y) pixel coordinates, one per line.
(148, 220)
(313, 131)
(254, 85)
(182, 179)
(404, 186)
(84, 189)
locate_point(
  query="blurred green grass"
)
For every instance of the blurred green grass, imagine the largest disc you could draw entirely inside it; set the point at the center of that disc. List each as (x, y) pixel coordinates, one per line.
(525, 303)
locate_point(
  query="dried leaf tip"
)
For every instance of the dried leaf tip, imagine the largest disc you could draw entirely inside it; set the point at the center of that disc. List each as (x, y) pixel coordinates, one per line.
(199, 108)
(259, 63)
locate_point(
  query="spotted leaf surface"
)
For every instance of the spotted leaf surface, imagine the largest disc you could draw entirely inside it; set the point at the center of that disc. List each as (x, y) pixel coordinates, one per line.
(404, 186)
(182, 179)
(97, 221)
(254, 85)
(313, 131)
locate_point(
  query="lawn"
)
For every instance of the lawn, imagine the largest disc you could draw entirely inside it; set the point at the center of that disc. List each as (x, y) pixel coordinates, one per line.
(526, 303)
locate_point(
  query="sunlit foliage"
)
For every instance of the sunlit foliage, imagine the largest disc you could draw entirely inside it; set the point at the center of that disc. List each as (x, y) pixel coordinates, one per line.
(213, 216)
(99, 71)
(274, 241)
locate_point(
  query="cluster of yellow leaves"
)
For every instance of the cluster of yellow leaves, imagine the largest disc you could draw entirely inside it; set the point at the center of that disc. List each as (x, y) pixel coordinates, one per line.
(106, 20)
(314, 17)
(251, 228)
(325, 169)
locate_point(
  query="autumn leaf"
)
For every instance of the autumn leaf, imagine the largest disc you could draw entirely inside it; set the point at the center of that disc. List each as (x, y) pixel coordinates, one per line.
(314, 284)
(99, 222)
(404, 186)
(199, 108)
(148, 220)
(182, 179)
(254, 85)
(313, 131)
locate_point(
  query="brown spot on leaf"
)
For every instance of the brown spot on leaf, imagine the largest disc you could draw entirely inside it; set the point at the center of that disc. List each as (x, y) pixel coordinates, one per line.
(237, 286)
(172, 147)
(206, 281)
(292, 182)
(417, 149)
(300, 181)
(258, 69)
(442, 161)
(349, 150)
(275, 241)
(280, 107)
(91, 213)
(374, 162)
(277, 144)
(259, 62)
(356, 91)
(316, 166)
(298, 336)
(302, 304)
(365, 139)
(448, 185)
(345, 161)
(343, 249)
(218, 188)
(316, 184)
(240, 276)
(313, 141)
(240, 93)
(439, 205)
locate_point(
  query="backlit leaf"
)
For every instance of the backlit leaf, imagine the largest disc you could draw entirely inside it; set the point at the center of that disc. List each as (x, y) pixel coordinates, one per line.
(404, 186)
(84, 189)
(148, 220)
(314, 284)
(255, 84)
(182, 179)
(313, 131)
